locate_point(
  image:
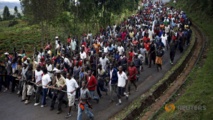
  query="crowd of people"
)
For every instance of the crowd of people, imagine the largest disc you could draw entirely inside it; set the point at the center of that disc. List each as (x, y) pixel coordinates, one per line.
(82, 70)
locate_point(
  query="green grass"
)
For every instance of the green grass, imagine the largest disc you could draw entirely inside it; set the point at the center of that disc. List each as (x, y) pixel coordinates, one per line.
(198, 87)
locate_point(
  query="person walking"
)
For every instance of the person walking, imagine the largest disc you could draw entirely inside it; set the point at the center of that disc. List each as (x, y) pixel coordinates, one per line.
(122, 80)
(159, 55)
(113, 81)
(72, 86)
(101, 81)
(172, 52)
(46, 80)
(132, 72)
(29, 85)
(59, 84)
(38, 76)
(83, 104)
(91, 85)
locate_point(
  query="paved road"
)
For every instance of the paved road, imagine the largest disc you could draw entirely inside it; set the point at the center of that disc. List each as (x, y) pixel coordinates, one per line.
(11, 107)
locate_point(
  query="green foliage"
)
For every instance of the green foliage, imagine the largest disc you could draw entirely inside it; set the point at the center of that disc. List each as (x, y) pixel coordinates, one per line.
(198, 89)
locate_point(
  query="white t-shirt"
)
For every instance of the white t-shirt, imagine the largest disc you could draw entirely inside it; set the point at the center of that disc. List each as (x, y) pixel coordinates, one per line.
(38, 75)
(71, 85)
(49, 68)
(120, 50)
(66, 60)
(45, 80)
(122, 78)
(83, 55)
(164, 39)
(103, 62)
(105, 49)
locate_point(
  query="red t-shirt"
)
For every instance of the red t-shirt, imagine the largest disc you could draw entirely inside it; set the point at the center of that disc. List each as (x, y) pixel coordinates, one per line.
(69, 40)
(131, 55)
(90, 82)
(132, 73)
(146, 45)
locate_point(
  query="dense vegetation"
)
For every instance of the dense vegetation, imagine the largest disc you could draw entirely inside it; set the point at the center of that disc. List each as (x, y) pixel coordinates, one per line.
(44, 19)
(197, 91)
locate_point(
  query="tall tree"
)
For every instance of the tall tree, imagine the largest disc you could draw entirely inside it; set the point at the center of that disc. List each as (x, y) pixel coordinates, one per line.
(6, 13)
(15, 11)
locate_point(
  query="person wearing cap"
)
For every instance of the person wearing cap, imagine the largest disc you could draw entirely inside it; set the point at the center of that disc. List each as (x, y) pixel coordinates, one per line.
(60, 83)
(28, 87)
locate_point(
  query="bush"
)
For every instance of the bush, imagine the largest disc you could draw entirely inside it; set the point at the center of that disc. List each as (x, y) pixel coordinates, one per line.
(12, 23)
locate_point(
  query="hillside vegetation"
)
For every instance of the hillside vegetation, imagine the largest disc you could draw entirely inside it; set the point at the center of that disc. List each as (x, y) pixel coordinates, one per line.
(197, 91)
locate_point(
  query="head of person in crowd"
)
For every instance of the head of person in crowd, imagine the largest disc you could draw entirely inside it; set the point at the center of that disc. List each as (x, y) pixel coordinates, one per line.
(120, 68)
(58, 74)
(83, 84)
(68, 75)
(89, 73)
(38, 68)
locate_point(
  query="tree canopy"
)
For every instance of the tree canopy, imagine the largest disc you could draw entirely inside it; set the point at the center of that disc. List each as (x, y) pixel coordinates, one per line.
(6, 13)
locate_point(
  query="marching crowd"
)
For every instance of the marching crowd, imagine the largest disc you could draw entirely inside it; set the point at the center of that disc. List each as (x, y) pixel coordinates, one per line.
(109, 62)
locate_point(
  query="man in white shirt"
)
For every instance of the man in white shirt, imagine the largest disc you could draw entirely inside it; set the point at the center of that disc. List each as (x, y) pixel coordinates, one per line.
(38, 76)
(122, 81)
(164, 40)
(45, 82)
(120, 49)
(103, 61)
(83, 54)
(72, 86)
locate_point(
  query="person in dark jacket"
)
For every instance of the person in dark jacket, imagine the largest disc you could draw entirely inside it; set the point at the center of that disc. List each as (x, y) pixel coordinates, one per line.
(113, 81)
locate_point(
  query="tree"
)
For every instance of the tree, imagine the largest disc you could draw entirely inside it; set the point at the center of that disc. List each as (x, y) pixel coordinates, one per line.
(15, 11)
(1, 18)
(6, 13)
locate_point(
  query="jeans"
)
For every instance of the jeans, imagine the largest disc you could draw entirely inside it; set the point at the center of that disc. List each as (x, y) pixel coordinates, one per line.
(59, 96)
(92, 93)
(101, 87)
(113, 89)
(87, 111)
(44, 95)
(38, 93)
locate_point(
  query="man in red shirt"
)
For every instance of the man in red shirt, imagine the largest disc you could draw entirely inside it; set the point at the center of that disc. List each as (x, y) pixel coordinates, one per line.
(91, 85)
(131, 55)
(132, 72)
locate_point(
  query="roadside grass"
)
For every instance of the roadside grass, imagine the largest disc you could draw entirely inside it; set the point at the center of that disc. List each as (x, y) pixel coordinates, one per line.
(197, 89)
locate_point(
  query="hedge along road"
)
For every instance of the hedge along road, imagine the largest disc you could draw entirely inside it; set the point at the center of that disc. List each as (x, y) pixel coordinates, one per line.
(12, 108)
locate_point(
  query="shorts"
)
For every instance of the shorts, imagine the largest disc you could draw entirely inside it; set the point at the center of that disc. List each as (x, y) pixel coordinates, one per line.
(71, 100)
